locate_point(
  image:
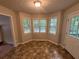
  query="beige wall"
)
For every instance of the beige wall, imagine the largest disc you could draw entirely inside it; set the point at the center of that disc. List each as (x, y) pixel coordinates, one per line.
(8, 12)
(18, 28)
(70, 43)
(56, 38)
(25, 37)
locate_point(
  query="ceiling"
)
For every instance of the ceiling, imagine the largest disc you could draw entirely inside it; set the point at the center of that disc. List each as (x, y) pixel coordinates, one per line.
(47, 6)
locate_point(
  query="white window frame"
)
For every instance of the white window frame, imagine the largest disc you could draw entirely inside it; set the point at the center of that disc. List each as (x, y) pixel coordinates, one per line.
(33, 26)
(56, 25)
(69, 18)
(40, 26)
(29, 24)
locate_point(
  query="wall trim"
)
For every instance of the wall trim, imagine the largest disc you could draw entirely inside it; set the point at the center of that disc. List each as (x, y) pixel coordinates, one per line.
(37, 40)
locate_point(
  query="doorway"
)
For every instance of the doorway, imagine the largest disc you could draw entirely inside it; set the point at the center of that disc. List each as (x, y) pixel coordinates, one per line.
(6, 35)
(5, 30)
(1, 35)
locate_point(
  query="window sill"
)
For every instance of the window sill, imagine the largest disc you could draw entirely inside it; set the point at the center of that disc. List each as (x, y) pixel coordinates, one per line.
(73, 37)
(27, 33)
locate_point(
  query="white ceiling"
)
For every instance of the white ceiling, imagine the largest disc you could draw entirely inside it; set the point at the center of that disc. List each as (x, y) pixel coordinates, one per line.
(47, 6)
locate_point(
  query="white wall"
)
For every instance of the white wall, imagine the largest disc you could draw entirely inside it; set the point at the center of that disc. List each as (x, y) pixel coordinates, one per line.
(70, 43)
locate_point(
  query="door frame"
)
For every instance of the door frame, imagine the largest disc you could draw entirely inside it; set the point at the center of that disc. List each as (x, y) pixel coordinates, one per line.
(12, 28)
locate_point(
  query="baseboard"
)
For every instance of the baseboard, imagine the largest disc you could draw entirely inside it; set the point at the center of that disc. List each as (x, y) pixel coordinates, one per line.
(62, 45)
(16, 45)
(36, 40)
(26, 41)
(10, 43)
(39, 40)
(66, 49)
(69, 53)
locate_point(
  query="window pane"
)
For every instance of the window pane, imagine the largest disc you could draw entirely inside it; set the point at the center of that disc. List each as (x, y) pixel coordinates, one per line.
(36, 25)
(78, 31)
(52, 30)
(42, 29)
(42, 25)
(26, 25)
(53, 25)
(74, 26)
(36, 29)
(42, 22)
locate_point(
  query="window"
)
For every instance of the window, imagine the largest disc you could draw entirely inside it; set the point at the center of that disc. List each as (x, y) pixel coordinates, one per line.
(74, 26)
(53, 25)
(39, 25)
(26, 25)
(43, 25)
(36, 25)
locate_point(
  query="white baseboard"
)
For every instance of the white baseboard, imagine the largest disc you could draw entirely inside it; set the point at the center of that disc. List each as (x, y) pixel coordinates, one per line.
(62, 45)
(39, 40)
(10, 43)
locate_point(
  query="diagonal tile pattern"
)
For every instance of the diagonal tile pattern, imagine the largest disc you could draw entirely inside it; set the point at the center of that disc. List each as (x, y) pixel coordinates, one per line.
(38, 50)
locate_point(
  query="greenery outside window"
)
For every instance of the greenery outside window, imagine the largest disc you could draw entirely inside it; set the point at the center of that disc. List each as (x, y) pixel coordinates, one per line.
(43, 25)
(39, 25)
(74, 27)
(53, 25)
(36, 25)
(26, 25)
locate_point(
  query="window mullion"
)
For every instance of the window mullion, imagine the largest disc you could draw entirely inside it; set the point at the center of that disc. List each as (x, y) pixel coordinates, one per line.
(39, 26)
(78, 28)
